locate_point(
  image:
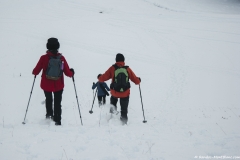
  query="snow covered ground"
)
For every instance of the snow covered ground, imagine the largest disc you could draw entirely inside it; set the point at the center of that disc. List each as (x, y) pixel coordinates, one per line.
(186, 52)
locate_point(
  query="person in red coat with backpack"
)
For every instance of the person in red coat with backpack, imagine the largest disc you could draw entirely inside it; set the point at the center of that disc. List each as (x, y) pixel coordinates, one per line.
(116, 92)
(50, 86)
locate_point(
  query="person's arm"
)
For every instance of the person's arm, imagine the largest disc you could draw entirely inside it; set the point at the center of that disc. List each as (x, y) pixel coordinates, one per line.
(66, 68)
(107, 75)
(106, 86)
(38, 67)
(94, 85)
(133, 77)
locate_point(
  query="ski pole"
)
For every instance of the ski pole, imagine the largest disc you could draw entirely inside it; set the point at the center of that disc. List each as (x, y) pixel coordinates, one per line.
(144, 121)
(93, 102)
(29, 100)
(77, 99)
(93, 90)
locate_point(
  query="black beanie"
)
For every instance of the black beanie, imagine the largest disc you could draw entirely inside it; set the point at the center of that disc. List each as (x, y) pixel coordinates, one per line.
(99, 75)
(120, 58)
(53, 44)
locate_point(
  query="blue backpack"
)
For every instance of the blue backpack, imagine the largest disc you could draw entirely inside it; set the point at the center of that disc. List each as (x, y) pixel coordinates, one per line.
(55, 68)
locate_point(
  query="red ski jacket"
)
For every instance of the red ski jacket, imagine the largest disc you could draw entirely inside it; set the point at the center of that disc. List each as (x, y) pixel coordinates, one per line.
(109, 74)
(47, 84)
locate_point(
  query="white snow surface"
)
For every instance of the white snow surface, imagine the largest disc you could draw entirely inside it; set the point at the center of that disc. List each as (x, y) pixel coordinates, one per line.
(186, 52)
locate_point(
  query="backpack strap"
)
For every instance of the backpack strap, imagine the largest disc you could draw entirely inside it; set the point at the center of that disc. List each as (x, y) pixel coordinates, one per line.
(116, 66)
(55, 57)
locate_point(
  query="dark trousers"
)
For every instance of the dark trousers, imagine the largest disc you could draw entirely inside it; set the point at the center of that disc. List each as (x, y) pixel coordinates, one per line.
(102, 98)
(124, 106)
(57, 104)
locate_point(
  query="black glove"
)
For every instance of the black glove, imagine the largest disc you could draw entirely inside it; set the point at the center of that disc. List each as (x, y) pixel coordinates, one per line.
(93, 83)
(72, 70)
(139, 79)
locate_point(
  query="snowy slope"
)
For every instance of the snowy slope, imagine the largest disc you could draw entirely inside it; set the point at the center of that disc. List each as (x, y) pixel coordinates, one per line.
(186, 53)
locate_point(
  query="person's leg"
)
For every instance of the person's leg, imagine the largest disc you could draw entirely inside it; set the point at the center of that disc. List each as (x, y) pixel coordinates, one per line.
(99, 100)
(48, 103)
(113, 102)
(124, 109)
(104, 99)
(58, 107)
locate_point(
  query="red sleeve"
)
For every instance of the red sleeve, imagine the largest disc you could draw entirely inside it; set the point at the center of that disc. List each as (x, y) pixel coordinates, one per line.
(133, 77)
(66, 68)
(38, 67)
(107, 75)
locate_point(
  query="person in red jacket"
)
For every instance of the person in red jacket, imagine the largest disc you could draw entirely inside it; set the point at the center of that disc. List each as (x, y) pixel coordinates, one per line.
(122, 95)
(52, 86)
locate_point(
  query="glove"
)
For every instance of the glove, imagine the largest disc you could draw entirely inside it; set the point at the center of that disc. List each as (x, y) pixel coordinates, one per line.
(72, 70)
(93, 83)
(139, 79)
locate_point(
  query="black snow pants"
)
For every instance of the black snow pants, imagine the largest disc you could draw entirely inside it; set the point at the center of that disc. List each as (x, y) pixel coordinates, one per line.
(124, 106)
(102, 99)
(57, 104)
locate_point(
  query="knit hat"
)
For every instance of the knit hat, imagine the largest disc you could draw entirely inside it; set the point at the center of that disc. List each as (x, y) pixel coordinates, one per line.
(53, 44)
(99, 75)
(120, 57)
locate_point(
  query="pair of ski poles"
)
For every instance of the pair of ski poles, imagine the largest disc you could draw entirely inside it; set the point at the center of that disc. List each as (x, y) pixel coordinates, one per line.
(144, 121)
(24, 122)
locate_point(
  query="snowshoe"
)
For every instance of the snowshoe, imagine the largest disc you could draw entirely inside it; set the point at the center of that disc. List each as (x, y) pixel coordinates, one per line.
(123, 120)
(113, 110)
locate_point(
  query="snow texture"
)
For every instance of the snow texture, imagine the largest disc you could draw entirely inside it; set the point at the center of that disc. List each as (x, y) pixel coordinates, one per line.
(186, 52)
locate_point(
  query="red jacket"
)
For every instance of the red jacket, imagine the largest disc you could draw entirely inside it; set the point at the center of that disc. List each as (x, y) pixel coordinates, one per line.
(47, 84)
(109, 74)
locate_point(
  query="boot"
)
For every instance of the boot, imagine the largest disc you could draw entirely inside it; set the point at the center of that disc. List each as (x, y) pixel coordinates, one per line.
(99, 103)
(124, 120)
(113, 110)
(58, 123)
(49, 116)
